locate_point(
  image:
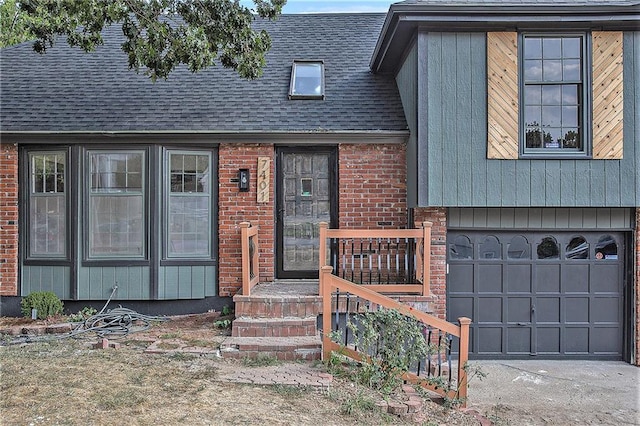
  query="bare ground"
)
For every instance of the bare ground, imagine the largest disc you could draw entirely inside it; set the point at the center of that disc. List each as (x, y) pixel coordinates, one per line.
(65, 381)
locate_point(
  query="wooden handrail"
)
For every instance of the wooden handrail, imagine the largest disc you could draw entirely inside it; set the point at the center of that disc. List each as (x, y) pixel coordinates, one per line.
(250, 267)
(421, 235)
(329, 283)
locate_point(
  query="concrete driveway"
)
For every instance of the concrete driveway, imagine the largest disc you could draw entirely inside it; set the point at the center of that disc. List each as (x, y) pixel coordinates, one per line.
(557, 392)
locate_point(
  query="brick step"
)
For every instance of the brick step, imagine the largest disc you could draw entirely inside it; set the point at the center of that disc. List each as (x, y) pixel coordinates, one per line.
(277, 306)
(274, 327)
(307, 348)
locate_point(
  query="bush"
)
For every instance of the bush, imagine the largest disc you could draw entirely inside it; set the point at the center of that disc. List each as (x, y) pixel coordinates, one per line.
(46, 302)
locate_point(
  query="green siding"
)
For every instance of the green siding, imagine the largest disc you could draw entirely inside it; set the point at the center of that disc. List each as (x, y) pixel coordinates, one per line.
(407, 80)
(186, 282)
(46, 278)
(540, 218)
(97, 282)
(452, 139)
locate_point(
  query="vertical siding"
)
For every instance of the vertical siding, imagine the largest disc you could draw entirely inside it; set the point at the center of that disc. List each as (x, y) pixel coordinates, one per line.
(540, 218)
(452, 139)
(46, 278)
(186, 282)
(97, 282)
(407, 80)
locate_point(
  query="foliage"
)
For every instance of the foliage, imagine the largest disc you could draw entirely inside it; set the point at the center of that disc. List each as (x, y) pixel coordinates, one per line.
(160, 34)
(46, 302)
(223, 323)
(13, 24)
(261, 360)
(393, 343)
(227, 310)
(85, 313)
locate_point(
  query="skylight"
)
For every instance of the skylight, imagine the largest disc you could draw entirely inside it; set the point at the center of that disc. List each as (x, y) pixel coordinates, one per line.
(307, 80)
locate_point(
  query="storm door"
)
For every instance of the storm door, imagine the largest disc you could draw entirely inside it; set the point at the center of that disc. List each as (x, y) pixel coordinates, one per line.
(306, 191)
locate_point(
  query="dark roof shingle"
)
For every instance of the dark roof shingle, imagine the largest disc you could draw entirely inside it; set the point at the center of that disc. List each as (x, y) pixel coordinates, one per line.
(68, 90)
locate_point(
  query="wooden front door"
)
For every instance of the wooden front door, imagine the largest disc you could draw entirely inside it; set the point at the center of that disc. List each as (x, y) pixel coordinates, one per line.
(305, 197)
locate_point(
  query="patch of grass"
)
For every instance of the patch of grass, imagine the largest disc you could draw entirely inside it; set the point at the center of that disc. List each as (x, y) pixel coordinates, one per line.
(261, 360)
(169, 336)
(182, 356)
(357, 404)
(168, 346)
(120, 399)
(289, 391)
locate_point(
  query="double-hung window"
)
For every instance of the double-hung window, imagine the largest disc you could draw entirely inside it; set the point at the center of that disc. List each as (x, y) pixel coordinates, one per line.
(117, 224)
(189, 204)
(47, 204)
(553, 93)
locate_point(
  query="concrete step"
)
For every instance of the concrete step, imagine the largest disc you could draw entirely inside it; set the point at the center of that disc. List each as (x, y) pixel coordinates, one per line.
(307, 348)
(274, 327)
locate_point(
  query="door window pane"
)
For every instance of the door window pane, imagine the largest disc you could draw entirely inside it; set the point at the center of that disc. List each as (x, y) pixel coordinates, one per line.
(117, 225)
(578, 248)
(47, 205)
(548, 249)
(606, 248)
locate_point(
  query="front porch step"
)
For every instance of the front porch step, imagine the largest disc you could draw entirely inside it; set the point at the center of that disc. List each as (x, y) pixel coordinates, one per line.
(305, 348)
(277, 306)
(274, 327)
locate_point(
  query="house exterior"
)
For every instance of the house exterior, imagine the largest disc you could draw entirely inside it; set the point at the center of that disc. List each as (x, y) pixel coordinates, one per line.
(514, 127)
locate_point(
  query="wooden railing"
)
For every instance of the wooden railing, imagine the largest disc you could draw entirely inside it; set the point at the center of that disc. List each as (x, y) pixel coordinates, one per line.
(341, 299)
(250, 266)
(383, 260)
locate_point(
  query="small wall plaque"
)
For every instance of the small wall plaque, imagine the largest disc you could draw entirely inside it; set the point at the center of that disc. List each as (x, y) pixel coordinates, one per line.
(264, 174)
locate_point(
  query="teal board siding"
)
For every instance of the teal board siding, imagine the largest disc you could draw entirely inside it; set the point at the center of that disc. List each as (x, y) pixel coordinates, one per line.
(453, 169)
(620, 219)
(186, 282)
(46, 278)
(97, 282)
(407, 80)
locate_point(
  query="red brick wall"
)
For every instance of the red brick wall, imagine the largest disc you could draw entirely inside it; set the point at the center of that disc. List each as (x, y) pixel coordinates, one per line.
(438, 217)
(373, 188)
(8, 220)
(235, 207)
(636, 295)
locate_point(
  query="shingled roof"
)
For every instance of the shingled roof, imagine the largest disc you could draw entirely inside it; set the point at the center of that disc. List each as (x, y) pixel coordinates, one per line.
(67, 90)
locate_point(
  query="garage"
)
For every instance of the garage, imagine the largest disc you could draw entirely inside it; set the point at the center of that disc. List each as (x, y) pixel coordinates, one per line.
(538, 293)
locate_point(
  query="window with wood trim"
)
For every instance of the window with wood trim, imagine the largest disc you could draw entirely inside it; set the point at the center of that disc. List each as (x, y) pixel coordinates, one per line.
(555, 95)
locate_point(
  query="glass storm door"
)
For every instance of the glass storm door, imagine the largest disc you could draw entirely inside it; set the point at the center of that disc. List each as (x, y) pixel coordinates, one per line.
(304, 199)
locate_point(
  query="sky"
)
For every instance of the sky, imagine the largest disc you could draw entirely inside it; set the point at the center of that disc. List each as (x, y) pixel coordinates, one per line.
(332, 6)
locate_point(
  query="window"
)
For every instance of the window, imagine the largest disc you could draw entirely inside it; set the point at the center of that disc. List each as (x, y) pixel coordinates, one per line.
(116, 204)
(189, 206)
(47, 204)
(307, 80)
(553, 93)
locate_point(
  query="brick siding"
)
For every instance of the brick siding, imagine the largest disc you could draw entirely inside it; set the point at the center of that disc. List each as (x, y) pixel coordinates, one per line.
(235, 207)
(438, 217)
(373, 187)
(8, 220)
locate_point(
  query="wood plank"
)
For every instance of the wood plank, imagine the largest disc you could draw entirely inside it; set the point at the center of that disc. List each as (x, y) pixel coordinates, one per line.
(502, 92)
(607, 71)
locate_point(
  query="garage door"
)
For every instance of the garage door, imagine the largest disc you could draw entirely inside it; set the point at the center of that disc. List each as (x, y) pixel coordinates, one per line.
(552, 295)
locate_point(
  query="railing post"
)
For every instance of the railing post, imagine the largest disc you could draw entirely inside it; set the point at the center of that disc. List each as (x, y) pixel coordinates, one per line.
(463, 357)
(322, 254)
(325, 273)
(426, 258)
(246, 272)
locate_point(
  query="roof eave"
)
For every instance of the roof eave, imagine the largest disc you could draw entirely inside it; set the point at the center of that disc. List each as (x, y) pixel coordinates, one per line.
(404, 20)
(209, 136)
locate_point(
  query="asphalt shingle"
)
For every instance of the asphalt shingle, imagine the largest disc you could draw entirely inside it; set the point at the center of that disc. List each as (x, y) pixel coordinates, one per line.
(69, 90)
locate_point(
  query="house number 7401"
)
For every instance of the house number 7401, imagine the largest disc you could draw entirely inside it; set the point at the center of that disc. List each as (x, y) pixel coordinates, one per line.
(264, 171)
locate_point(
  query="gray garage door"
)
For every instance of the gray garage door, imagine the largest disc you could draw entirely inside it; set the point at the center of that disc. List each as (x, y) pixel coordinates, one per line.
(552, 295)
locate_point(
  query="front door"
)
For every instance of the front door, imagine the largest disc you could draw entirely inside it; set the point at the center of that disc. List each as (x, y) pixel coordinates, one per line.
(305, 197)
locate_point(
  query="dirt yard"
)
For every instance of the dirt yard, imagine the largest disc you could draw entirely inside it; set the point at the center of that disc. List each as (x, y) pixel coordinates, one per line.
(65, 381)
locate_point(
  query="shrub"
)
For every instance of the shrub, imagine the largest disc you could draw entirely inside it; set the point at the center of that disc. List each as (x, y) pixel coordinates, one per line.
(46, 302)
